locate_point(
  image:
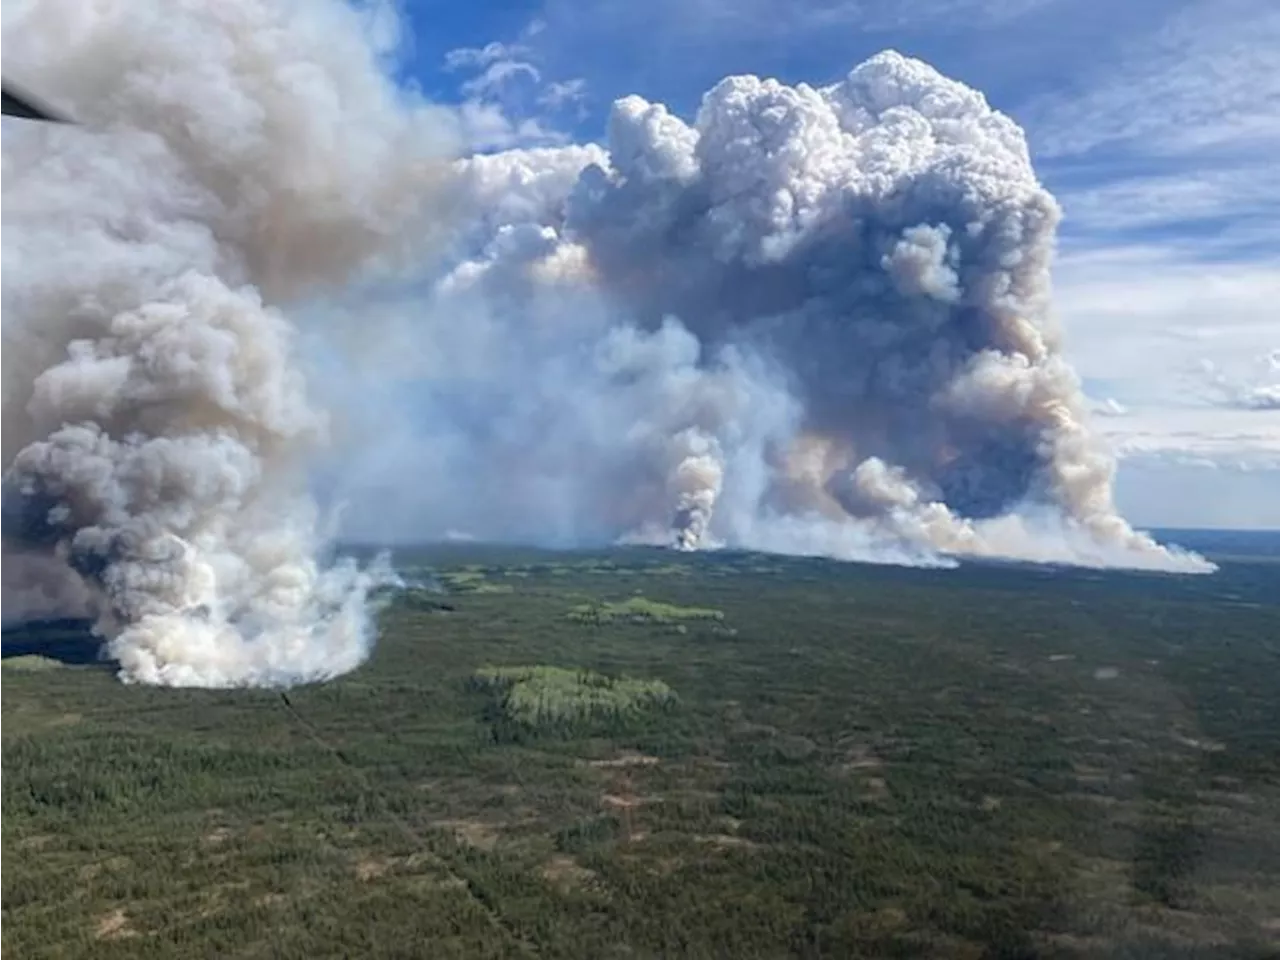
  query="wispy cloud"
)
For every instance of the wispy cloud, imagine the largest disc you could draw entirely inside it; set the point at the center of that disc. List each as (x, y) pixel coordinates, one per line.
(1159, 152)
(481, 57)
(1205, 438)
(1255, 387)
(498, 75)
(737, 21)
(1205, 77)
(935, 15)
(1182, 358)
(562, 93)
(1109, 201)
(506, 102)
(1141, 317)
(1166, 138)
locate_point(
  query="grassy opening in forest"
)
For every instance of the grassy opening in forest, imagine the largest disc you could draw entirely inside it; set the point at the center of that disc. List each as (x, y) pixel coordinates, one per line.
(641, 610)
(543, 697)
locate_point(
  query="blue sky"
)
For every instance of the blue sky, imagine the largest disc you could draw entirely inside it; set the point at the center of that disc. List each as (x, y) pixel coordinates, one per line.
(1156, 123)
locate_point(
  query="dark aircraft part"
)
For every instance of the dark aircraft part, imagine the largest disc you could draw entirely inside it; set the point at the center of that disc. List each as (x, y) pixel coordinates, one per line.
(23, 105)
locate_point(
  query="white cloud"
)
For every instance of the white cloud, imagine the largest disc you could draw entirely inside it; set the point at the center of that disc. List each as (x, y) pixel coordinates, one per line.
(564, 92)
(497, 75)
(507, 103)
(1108, 407)
(1206, 437)
(1183, 353)
(1144, 318)
(480, 57)
(523, 186)
(486, 126)
(385, 29)
(1255, 387)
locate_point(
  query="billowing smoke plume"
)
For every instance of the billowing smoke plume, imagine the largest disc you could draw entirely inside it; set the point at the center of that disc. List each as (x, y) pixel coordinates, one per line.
(234, 156)
(815, 320)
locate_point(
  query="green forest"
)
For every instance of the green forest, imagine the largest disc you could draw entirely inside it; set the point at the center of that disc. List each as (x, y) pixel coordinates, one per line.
(638, 753)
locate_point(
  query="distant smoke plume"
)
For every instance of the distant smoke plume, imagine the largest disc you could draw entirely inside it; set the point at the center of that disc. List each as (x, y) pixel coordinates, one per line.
(157, 428)
(816, 320)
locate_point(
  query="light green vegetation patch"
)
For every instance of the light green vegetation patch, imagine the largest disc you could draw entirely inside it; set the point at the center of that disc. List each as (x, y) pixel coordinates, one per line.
(31, 663)
(472, 580)
(542, 696)
(490, 588)
(640, 610)
(459, 578)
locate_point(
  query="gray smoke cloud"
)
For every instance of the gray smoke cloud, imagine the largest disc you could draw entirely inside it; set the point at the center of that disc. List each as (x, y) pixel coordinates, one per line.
(813, 320)
(158, 429)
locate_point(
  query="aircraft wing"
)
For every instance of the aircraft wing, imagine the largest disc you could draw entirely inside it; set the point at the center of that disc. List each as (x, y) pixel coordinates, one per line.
(14, 103)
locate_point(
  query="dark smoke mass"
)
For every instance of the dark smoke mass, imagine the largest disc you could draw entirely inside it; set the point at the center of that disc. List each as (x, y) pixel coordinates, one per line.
(815, 320)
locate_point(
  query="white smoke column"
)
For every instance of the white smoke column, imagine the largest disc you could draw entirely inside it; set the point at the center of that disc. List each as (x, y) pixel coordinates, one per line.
(811, 320)
(157, 426)
(698, 479)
